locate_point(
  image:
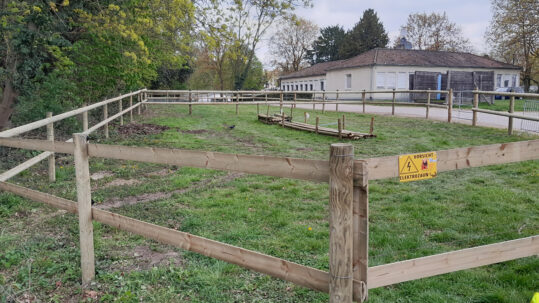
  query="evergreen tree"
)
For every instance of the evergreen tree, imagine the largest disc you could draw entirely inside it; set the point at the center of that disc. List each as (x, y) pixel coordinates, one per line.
(326, 47)
(367, 34)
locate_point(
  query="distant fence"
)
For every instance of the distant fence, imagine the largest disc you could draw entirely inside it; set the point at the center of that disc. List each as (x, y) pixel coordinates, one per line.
(349, 276)
(324, 98)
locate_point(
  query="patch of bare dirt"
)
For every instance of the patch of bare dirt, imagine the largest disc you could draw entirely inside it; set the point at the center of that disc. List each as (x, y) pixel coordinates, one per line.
(119, 202)
(144, 258)
(141, 129)
(160, 173)
(100, 175)
(122, 182)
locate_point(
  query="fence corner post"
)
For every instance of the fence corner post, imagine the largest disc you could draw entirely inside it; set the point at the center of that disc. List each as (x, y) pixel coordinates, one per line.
(341, 169)
(84, 198)
(363, 97)
(50, 137)
(361, 230)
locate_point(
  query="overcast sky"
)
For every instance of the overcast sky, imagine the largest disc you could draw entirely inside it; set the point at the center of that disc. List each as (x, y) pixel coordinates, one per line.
(472, 15)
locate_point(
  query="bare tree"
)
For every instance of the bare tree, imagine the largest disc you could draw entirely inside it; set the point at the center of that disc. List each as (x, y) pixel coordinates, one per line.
(435, 32)
(513, 36)
(290, 44)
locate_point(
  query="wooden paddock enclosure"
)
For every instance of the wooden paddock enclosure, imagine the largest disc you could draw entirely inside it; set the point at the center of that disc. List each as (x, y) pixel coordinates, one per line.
(349, 276)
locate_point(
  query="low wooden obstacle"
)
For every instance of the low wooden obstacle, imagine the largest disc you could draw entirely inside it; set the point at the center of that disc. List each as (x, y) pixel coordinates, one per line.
(340, 132)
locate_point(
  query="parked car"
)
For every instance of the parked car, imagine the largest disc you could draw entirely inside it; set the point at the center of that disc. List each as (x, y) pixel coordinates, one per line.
(515, 89)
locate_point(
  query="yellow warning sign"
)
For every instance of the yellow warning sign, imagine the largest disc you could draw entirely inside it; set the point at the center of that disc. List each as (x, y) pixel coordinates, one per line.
(416, 167)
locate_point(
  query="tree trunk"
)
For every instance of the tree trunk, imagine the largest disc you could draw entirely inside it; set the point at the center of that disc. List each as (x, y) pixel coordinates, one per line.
(6, 107)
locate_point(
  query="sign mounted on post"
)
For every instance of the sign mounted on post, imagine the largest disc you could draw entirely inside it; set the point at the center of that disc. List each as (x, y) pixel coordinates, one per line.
(414, 167)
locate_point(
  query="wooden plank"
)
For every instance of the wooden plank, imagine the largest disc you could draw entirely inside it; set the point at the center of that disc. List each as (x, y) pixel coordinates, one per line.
(289, 271)
(360, 258)
(33, 144)
(41, 197)
(84, 198)
(294, 168)
(429, 266)
(24, 166)
(459, 158)
(475, 105)
(449, 105)
(341, 162)
(43, 122)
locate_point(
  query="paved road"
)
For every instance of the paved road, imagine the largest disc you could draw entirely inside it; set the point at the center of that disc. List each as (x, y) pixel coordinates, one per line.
(458, 116)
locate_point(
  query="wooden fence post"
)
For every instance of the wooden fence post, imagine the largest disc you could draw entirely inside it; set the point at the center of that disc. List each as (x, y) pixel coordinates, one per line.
(323, 102)
(105, 117)
(339, 128)
(50, 137)
(84, 119)
(511, 110)
(140, 104)
(237, 102)
(363, 98)
(131, 111)
(86, 233)
(337, 99)
(305, 117)
(316, 126)
(341, 167)
(281, 102)
(190, 100)
(291, 112)
(295, 98)
(393, 104)
(120, 108)
(428, 105)
(371, 130)
(475, 105)
(361, 230)
(449, 105)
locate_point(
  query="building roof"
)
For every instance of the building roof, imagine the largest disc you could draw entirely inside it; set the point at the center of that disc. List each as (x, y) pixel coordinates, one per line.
(404, 57)
(314, 70)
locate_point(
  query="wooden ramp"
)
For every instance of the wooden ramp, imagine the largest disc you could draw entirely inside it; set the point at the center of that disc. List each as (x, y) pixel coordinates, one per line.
(345, 134)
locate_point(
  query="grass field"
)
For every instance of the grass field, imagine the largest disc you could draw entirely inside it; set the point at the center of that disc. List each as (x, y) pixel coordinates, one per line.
(39, 256)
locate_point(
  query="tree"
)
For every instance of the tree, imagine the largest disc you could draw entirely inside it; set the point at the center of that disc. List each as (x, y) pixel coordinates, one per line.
(326, 47)
(290, 44)
(248, 20)
(513, 35)
(367, 34)
(435, 32)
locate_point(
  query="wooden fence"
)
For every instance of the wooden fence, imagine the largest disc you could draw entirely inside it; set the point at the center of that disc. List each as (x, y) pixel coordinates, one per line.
(324, 98)
(349, 276)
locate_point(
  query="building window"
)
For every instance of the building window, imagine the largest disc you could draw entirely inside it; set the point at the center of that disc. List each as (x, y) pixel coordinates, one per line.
(322, 85)
(402, 80)
(506, 83)
(348, 84)
(288, 87)
(390, 80)
(499, 80)
(311, 86)
(301, 87)
(513, 80)
(380, 80)
(297, 87)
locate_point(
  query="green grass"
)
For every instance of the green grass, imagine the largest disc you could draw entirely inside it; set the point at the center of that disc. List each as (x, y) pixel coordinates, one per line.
(39, 245)
(500, 105)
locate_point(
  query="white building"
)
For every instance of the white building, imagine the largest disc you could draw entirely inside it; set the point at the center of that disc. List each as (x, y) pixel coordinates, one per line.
(387, 69)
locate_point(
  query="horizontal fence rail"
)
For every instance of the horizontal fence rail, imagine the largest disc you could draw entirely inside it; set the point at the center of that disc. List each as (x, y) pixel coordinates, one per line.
(43, 122)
